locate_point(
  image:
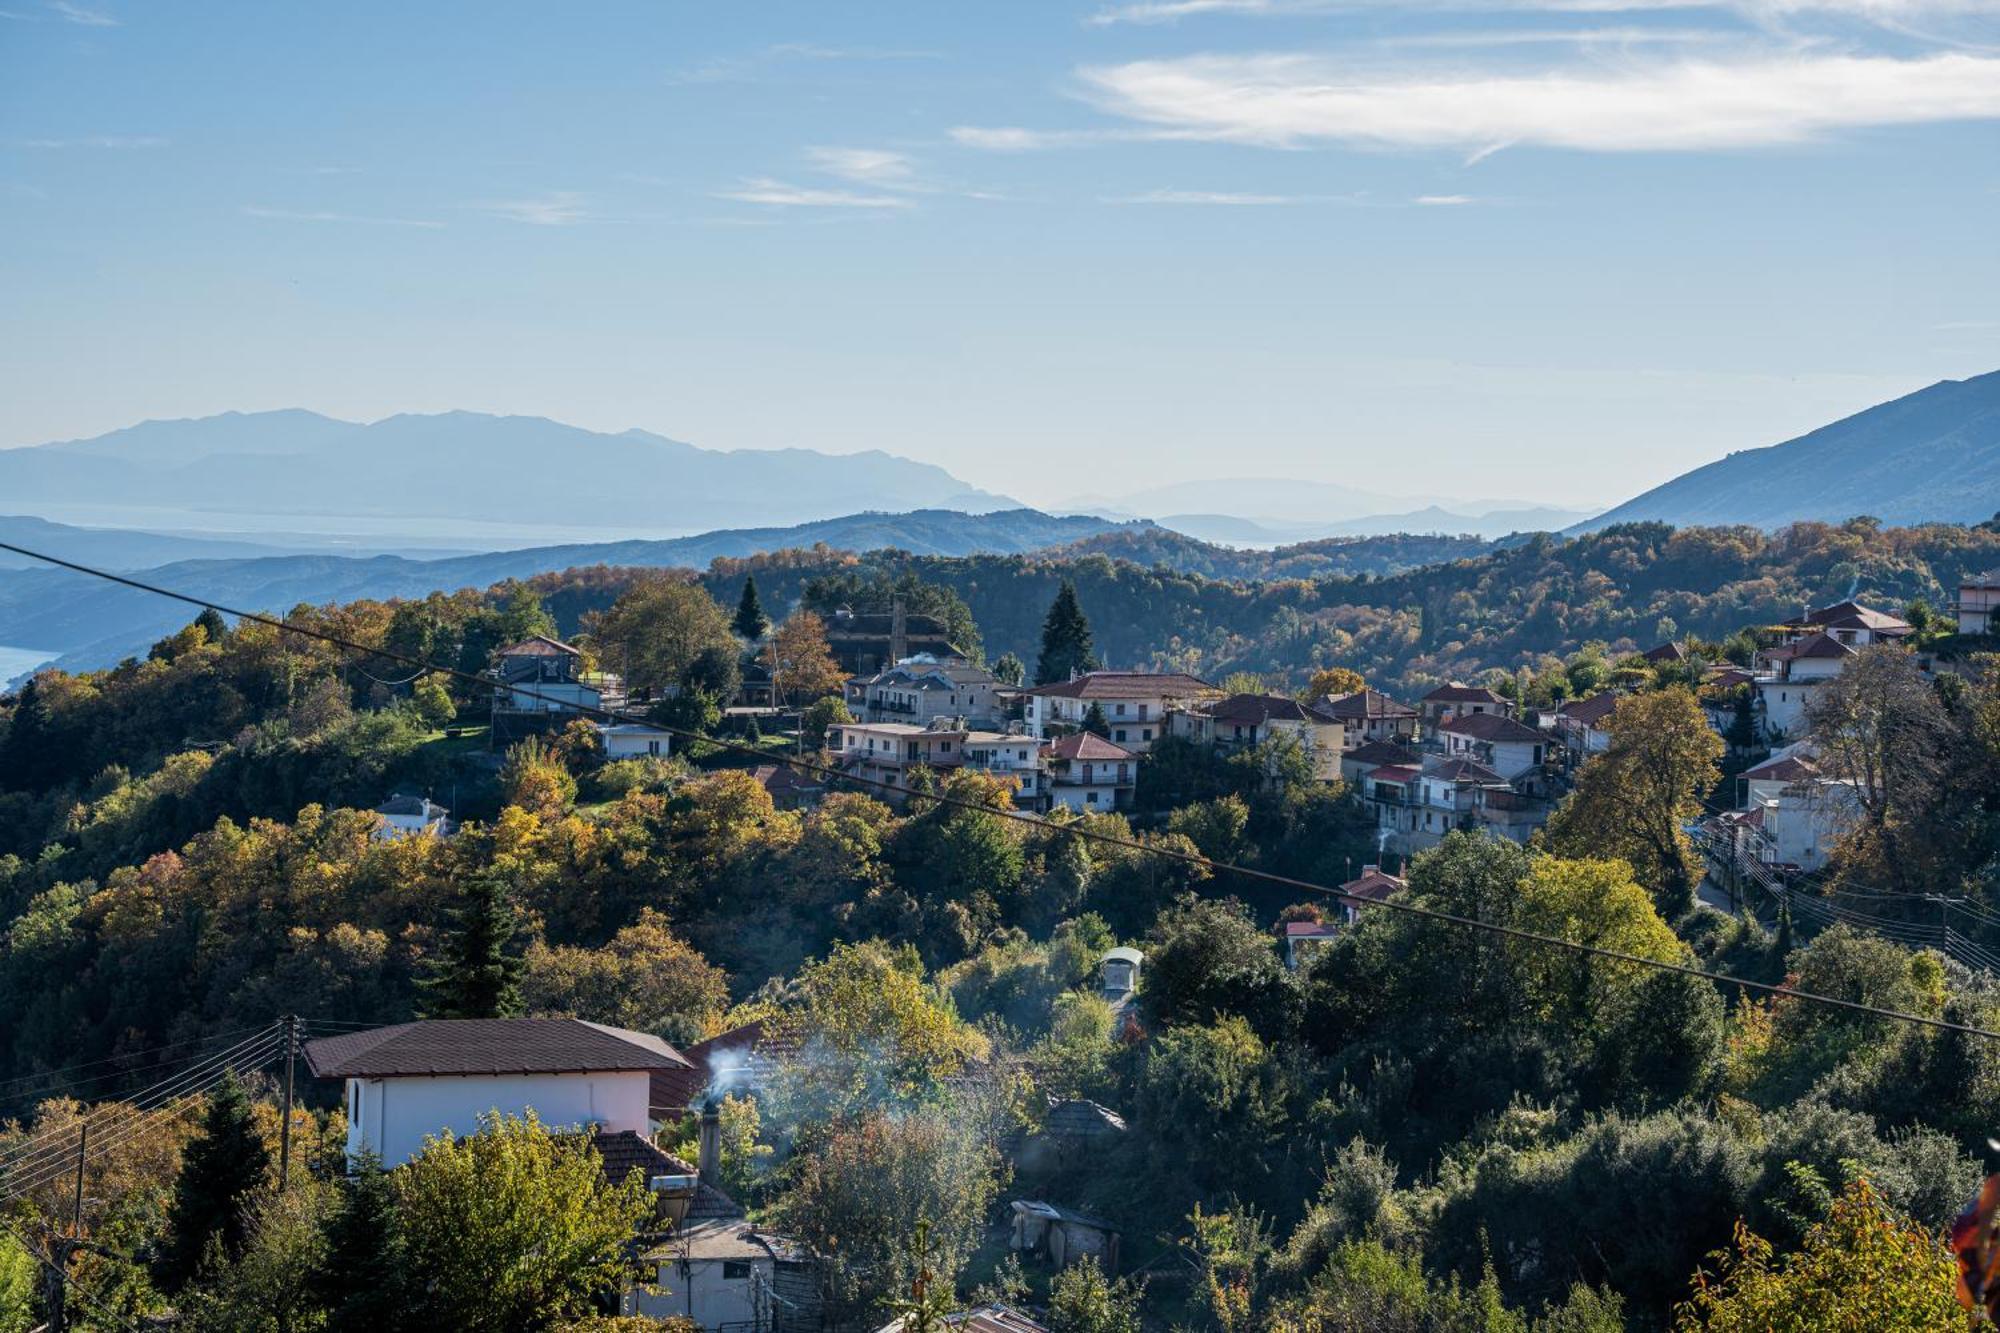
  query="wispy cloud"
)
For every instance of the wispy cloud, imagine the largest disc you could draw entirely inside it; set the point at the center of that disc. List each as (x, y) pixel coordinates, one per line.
(99, 141)
(1297, 101)
(560, 209)
(1217, 198)
(1879, 11)
(89, 18)
(880, 167)
(780, 194)
(295, 215)
(1443, 200)
(1016, 139)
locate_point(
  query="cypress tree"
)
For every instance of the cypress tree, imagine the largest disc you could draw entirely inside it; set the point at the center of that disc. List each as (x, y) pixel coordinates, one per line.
(476, 974)
(1066, 645)
(219, 1171)
(750, 623)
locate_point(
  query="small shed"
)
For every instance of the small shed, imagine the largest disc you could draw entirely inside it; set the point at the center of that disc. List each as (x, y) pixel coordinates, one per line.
(1063, 1235)
(1119, 971)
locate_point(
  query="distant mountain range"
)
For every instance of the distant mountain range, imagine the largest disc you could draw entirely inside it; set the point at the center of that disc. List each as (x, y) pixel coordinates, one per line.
(1433, 519)
(1929, 457)
(92, 623)
(455, 465)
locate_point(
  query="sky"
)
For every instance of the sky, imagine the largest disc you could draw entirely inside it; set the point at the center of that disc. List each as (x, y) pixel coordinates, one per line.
(1542, 250)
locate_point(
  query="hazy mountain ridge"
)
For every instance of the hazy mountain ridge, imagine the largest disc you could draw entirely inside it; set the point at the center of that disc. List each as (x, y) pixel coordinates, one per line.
(1932, 456)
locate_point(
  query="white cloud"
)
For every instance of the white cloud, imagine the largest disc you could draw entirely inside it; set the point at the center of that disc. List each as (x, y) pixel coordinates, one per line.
(293, 215)
(1880, 11)
(1220, 198)
(1443, 200)
(560, 209)
(99, 141)
(880, 167)
(89, 18)
(1014, 139)
(1294, 101)
(778, 194)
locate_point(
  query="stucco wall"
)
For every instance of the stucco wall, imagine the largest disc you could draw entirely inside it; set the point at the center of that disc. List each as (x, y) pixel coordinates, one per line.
(398, 1114)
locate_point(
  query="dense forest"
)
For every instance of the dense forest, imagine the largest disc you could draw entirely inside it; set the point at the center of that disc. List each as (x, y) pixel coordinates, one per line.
(1428, 1127)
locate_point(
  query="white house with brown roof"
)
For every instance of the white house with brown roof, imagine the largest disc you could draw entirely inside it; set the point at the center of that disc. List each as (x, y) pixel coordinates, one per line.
(1356, 764)
(1245, 720)
(922, 689)
(1089, 774)
(411, 1081)
(888, 752)
(1978, 604)
(1791, 672)
(1511, 749)
(1370, 715)
(1583, 724)
(1011, 756)
(1454, 700)
(412, 817)
(1764, 782)
(1372, 885)
(1135, 703)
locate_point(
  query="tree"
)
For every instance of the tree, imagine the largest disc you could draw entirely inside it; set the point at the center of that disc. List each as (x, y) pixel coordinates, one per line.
(646, 978)
(1633, 801)
(1862, 1267)
(1095, 722)
(17, 1286)
(1066, 645)
(512, 1228)
(534, 778)
(270, 1287)
(219, 1172)
(213, 626)
(802, 664)
(750, 621)
(476, 974)
(433, 701)
(1083, 1300)
(821, 715)
(1880, 728)
(360, 1279)
(1010, 670)
(1332, 681)
(654, 633)
(1207, 958)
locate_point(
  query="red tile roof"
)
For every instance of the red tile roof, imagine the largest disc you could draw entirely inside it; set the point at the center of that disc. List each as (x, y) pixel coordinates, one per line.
(1821, 645)
(1493, 727)
(1087, 745)
(1263, 708)
(1309, 930)
(1853, 614)
(1790, 768)
(1666, 652)
(1126, 685)
(1591, 711)
(1376, 753)
(1374, 885)
(489, 1046)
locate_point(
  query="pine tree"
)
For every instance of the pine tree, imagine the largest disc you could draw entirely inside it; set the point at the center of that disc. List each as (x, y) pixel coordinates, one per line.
(212, 624)
(358, 1282)
(1095, 722)
(219, 1171)
(1066, 645)
(475, 974)
(750, 623)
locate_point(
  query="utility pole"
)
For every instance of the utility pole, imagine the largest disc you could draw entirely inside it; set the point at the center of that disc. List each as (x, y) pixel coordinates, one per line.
(284, 1125)
(76, 1204)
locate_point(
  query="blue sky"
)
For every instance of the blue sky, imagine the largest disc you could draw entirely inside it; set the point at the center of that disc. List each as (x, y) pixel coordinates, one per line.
(1550, 250)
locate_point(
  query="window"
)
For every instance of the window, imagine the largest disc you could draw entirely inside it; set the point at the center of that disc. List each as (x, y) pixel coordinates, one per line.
(1142, 712)
(653, 748)
(1090, 798)
(1146, 733)
(1121, 710)
(1118, 735)
(735, 1270)
(354, 1103)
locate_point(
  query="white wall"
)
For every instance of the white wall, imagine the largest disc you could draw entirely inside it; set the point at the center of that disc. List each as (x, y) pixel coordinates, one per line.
(398, 1114)
(701, 1293)
(631, 745)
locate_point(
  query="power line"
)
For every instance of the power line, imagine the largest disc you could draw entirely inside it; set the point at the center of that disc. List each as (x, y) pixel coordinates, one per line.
(64, 1084)
(1021, 816)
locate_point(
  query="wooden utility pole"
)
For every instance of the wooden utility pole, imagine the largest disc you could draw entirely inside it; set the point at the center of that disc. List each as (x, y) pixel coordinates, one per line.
(285, 1124)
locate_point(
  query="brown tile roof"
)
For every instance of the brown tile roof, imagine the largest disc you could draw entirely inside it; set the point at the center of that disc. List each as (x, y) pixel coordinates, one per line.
(539, 645)
(488, 1046)
(1365, 704)
(1373, 884)
(1492, 727)
(1393, 773)
(1789, 768)
(1591, 711)
(1309, 930)
(1666, 652)
(1381, 752)
(624, 1152)
(1821, 645)
(1853, 614)
(1126, 685)
(779, 778)
(1087, 745)
(1462, 694)
(1460, 770)
(1263, 708)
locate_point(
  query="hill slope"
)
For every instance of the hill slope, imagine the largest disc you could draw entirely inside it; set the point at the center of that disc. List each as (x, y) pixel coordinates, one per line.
(1929, 457)
(455, 464)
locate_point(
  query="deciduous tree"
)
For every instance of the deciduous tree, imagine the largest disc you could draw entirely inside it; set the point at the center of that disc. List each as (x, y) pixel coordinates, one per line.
(802, 665)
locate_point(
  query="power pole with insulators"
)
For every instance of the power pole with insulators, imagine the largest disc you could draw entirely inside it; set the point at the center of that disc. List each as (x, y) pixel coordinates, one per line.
(285, 1124)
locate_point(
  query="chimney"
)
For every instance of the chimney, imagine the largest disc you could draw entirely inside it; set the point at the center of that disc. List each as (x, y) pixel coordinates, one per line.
(899, 633)
(708, 1160)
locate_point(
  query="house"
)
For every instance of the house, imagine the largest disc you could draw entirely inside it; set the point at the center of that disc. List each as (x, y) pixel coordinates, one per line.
(1849, 622)
(1118, 973)
(634, 740)
(1087, 773)
(411, 1081)
(1245, 720)
(714, 1268)
(1370, 715)
(540, 685)
(1356, 764)
(789, 788)
(1791, 672)
(1766, 781)
(1075, 1130)
(1978, 603)
(1011, 757)
(1805, 822)
(993, 1318)
(1446, 702)
(1583, 724)
(1135, 704)
(1666, 652)
(412, 817)
(866, 642)
(1394, 793)
(921, 689)
(1372, 885)
(890, 752)
(1302, 940)
(1061, 1235)
(1512, 749)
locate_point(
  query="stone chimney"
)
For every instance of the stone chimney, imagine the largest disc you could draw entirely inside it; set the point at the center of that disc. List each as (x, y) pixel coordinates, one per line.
(708, 1161)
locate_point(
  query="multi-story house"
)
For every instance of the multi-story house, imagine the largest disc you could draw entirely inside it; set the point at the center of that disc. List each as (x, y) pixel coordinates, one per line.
(889, 752)
(866, 642)
(1370, 715)
(1850, 623)
(1978, 603)
(1356, 764)
(543, 685)
(1011, 756)
(1244, 720)
(1446, 702)
(1090, 774)
(923, 688)
(1135, 704)
(1583, 725)
(1790, 673)
(1511, 749)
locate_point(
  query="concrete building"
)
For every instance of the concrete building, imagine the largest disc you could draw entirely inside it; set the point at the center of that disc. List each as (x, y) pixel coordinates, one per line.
(1243, 721)
(1089, 774)
(1370, 715)
(634, 740)
(1135, 704)
(1978, 604)
(412, 817)
(922, 689)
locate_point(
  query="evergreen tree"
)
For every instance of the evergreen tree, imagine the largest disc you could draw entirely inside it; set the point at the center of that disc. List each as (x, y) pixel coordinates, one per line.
(212, 624)
(1095, 722)
(476, 974)
(219, 1171)
(750, 623)
(1010, 670)
(1066, 645)
(358, 1283)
